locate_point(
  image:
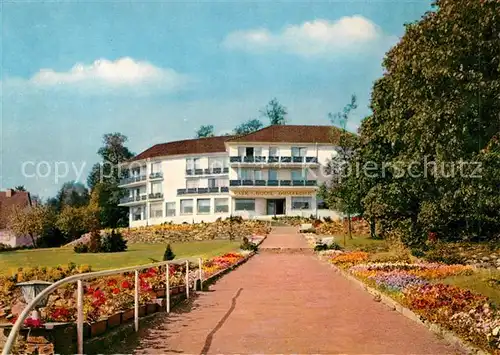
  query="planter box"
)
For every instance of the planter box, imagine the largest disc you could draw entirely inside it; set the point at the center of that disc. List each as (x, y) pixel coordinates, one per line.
(160, 293)
(115, 320)
(128, 315)
(151, 308)
(98, 328)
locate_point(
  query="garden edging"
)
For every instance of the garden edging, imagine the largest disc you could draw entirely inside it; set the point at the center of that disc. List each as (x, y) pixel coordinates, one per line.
(394, 305)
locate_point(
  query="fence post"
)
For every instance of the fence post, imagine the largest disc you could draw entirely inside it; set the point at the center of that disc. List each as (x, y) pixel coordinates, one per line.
(167, 289)
(136, 301)
(187, 279)
(79, 316)
(200, 270)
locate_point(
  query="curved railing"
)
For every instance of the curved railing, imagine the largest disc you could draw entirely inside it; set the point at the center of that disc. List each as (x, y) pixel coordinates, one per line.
(91, 275)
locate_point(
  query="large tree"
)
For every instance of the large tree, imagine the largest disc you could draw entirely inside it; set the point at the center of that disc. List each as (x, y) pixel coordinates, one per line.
(248, 127)
(106, 175)
(72, 193)
(275, 112)
(436, 107)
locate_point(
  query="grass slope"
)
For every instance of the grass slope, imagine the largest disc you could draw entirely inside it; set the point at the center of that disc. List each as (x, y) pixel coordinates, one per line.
(135, 255)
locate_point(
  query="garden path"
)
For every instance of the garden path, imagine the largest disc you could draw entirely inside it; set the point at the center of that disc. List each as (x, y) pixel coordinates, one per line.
(285, 303)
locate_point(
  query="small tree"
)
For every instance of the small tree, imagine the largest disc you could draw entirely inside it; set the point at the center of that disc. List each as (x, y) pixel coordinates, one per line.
(275, 112)
(33, 222)
(168, 254)
(248, 127)
(205, 131)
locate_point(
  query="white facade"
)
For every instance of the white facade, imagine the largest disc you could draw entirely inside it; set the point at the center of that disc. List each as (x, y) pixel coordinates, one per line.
(252, 180)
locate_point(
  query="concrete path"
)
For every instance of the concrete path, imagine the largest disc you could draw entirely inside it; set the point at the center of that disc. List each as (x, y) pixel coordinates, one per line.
(286, 303)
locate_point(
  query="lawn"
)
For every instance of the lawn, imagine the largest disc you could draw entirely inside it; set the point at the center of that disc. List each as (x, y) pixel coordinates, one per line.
(135, 255)
(478, 282)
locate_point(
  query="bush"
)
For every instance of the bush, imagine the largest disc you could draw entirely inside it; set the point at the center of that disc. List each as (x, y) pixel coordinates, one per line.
(113, 242)
(4, 247)
(81, 248)
(168, 254)
(332, 246)
(441, 255)
(418, 253)
(247, 245)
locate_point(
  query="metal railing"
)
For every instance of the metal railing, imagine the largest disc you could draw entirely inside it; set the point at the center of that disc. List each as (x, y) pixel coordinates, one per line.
(91, 275)
(238, 183)
(132, 179)
(273, 159)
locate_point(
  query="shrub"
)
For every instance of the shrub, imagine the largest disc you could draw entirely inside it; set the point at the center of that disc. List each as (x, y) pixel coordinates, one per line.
(168, 254)
(332, 246)
(327, 219)
(81, 248)
(247, 245)
(418, 253)
(443, 253)
(113, 242)
(4, 247)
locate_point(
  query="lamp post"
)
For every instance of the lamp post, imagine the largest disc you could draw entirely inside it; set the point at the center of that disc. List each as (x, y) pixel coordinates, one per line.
(30, 290)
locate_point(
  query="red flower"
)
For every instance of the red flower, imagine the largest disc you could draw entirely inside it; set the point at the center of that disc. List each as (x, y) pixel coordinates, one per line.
(98, 294)
(112, 282)
(89, 290)
(116, 291)
(126, 284)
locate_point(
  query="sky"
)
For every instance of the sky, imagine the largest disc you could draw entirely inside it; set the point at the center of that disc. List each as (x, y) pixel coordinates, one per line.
(157, 70)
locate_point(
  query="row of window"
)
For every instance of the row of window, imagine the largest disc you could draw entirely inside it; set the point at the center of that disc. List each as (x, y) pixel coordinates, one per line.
(298, 203)
(213, 163)
(273, 151)
(215, 182)
(272, 174)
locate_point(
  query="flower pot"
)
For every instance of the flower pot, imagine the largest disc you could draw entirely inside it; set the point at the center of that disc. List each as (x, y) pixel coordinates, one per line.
(115, 320)
(98, 328)
(151, 308)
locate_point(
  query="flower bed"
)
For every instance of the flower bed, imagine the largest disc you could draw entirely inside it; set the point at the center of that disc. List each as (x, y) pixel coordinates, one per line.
(416, 286)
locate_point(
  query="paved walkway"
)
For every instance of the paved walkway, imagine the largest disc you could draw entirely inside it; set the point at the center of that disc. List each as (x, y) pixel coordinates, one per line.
(286, 303)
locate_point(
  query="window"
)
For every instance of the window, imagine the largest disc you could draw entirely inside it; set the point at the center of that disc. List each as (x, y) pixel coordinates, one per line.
(272, 174)
(274, 151)
(156, 210)
(192, 184)
(299, 151)
(193, 163)
(244, 205)
(203, 206)
(257, 151)
(298, 174)
(156, 188)
(301, 203)
(170, 209)
(217, 163)
(257, 174)
(221, 205)
(137, 213)
(186, 206)
(217, 182)
(135, 172)
(249, 151)
(155, 167)
(321, 204)
(241, 151)
(246, 174)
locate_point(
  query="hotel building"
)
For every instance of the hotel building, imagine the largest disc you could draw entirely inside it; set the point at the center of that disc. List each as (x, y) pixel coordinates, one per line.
(271, 172)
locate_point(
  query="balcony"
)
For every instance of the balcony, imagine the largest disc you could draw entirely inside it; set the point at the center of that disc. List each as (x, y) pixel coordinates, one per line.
(155, 196)
(283, 161)
(133, 199)
(155, 176)
(202, 190)
(136, 180)
(272, 183)
(202, 172)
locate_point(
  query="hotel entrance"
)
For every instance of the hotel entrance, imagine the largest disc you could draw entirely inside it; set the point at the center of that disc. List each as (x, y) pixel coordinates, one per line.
(276, 207)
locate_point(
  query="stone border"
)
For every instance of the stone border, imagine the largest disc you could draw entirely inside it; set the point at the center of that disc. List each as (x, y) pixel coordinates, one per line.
(447, 335)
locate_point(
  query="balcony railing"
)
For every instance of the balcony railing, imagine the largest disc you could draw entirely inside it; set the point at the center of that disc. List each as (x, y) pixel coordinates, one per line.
(272, 183)
(130, 199)
(156, 175)
(155, 196)
(202, 190)
(273, 160)
(132, 179)
(213, 171)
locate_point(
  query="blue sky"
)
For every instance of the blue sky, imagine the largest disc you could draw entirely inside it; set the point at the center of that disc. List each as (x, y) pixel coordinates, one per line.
(155, 71)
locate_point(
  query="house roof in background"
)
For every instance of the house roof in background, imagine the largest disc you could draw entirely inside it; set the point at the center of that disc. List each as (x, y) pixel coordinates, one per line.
(288, 134)
(18, 199)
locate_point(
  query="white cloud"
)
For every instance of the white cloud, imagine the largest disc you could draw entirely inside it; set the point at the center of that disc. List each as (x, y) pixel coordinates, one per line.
(310, 39)
(102, 75)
